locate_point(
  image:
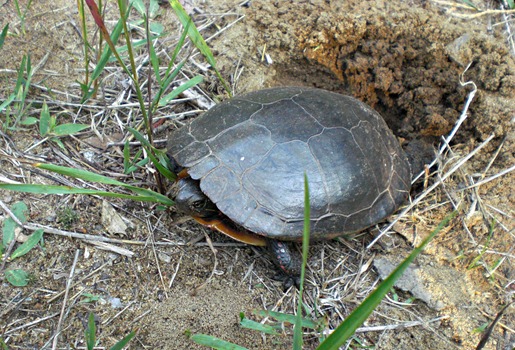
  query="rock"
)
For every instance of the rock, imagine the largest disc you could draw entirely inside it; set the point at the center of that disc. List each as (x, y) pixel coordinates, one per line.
(412, 281)
(459, 50)
(112, 221)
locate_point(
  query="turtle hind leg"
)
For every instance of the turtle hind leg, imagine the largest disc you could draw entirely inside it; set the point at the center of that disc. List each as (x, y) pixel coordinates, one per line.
(288, 261)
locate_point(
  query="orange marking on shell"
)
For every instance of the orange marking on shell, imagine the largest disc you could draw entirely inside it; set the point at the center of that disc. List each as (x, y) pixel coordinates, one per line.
(182, 174)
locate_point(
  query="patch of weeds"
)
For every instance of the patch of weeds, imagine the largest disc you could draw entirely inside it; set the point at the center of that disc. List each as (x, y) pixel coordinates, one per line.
(481, 328)
(11, 232)
(132, 164)
(22, 13)
(49, 128)
(107, 49)
(14, 106)
(479, 260)
(16, 109)
(66, 216)
(90, 298)
(397, 298)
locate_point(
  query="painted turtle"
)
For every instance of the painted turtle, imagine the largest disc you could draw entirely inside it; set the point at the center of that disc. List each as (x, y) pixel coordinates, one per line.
(244, 160)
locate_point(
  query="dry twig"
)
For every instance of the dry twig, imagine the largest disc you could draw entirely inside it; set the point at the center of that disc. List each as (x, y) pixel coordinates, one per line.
(65, 300)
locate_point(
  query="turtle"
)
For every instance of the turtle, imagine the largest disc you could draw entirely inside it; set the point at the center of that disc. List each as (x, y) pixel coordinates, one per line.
(241, 168)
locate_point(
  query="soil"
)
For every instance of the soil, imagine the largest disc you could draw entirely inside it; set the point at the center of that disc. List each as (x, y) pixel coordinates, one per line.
(408, 59)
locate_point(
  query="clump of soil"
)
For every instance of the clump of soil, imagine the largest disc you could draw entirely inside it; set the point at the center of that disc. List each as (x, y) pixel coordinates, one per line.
(406, 61)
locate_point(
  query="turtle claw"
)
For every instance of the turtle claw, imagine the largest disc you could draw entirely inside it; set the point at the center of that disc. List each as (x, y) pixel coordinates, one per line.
(290, 281)
(287, 280)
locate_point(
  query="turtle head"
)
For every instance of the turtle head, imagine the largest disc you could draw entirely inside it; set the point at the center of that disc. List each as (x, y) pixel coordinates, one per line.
(191, 200)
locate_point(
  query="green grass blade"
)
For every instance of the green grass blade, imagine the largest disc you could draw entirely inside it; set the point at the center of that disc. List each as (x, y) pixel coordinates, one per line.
(21, 72)
(7, 102)
(168, 78)
(85, 44)
(197, 39)
(28, 79)
(154, 60)
(127, 162)
(169, 74)
(360, 314)
(121, 343)
(17, 277)
(27, 246)
(44, 120)
(19, 209)
(287, 318)
(152, 197)
(297, 330)
(471, 4)
(475, 262)
(79, 174)
(92, 177)
(257, 326)
(18, 89)
(29, 121)
(91, 330)
(102, 62)
(139, 6)
(68, 129)
(215, 343)
(3, 35)
(178, 47)
(136, 44)
(135, 166)
(59, 143)
(132, 166)
(106, 54)
(176, 92)
(151, 154)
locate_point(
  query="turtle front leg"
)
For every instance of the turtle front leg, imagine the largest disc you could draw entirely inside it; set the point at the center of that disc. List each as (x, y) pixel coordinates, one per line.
(288, 261)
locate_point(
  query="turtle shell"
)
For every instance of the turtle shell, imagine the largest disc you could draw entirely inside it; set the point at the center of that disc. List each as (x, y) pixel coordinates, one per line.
(250, 154)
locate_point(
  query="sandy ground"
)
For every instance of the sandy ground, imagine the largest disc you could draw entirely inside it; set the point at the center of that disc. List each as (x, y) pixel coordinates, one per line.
(405, 58)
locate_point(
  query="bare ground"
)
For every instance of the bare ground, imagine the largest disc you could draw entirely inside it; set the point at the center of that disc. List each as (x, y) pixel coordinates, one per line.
(404, 58)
